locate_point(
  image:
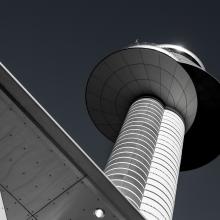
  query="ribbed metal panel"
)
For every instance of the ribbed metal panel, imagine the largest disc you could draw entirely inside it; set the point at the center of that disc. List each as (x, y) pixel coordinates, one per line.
(130, 161)
(159, 195)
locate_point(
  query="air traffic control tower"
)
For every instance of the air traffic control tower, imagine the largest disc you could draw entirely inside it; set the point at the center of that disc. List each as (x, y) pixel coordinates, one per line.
(159, 107)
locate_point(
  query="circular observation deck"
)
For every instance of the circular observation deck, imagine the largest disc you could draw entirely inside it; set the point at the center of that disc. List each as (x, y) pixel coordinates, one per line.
(171, 74)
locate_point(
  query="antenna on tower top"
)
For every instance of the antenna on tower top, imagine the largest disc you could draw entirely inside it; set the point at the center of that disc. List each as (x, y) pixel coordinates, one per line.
(136, 41)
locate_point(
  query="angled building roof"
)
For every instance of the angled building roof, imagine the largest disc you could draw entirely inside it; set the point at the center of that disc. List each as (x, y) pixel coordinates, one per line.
(44, 174)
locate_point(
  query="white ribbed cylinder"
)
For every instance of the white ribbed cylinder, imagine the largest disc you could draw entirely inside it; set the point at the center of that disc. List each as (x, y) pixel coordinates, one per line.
(129, 163)
(145, 161)
(160, 190)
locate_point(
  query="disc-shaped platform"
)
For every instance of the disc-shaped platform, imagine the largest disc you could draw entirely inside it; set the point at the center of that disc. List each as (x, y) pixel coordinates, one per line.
(128, 74)
(201, 143)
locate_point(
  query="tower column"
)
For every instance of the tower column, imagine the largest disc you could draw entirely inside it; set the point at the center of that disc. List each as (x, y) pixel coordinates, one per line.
(130, 160)
(145, 161)
(160, 190)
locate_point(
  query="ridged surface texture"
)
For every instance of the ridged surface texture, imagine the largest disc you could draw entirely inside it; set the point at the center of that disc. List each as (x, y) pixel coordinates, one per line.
(160, 190)
(130, 161)
(145, 161)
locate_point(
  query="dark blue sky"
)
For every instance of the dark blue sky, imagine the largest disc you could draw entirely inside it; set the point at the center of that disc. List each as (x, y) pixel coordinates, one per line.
(52, 46)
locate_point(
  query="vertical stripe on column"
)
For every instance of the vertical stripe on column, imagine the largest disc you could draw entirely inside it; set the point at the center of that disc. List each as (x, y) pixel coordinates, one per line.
(130, 160)
(159, 195)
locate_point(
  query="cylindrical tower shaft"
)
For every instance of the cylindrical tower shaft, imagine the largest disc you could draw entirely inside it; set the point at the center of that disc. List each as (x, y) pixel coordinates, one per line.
(160, 190)
(130, 161)
(144, 164)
